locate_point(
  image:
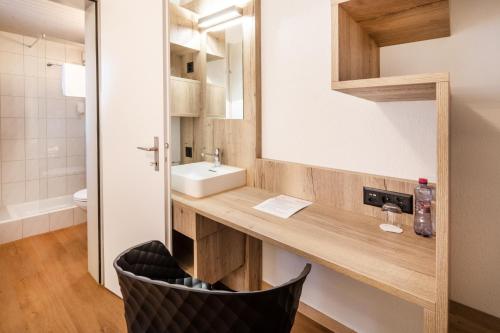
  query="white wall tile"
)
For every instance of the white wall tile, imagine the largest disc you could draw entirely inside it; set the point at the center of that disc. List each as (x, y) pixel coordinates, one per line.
(61, 219)
(11, 231)
(56, 166)
(43, 167)
(53, 88)
(32, 148)
(42, 128)
(75, 165)
(13, 193)
(79, 216)
(42, 87)
(53, 72)
(75, 128)
(74, 54)
(32, 128)
(11, 85)
(11, 106)
(43, 194)
(12, 128)
(38, 50)
(13, 150)
(42, 148)
(72, 107)
(56, 108)
(32, 170)
(56, 186)
(31, 107)
(30, 66)
(55, 51)
(75, 183)
(13, 171)
(42, 68)
(56, 128)
(11, 42)
(32, 190)
(36, 225)
(11, 63)
(42, 134)
(56, 147)
(76, 146)
(31, 86)
(42, 108)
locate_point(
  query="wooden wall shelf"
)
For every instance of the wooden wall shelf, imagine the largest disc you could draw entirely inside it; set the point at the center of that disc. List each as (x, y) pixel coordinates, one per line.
(182, 50)
(395, 88)
(391, 22)
(360, 28)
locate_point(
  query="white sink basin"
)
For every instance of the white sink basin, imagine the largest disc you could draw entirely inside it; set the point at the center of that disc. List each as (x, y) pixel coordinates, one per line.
(203, 179)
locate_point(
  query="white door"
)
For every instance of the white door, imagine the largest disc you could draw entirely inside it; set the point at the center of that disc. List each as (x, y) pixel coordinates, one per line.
(132, 112)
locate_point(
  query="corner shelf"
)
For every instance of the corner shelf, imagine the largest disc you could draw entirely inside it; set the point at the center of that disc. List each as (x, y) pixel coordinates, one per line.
(360, 28)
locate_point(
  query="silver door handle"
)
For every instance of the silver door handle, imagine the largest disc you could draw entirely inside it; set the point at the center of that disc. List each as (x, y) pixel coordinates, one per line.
(155, 149)
(148, 148)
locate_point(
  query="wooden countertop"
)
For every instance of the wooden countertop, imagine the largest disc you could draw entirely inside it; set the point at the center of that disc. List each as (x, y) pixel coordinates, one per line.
(403, 265)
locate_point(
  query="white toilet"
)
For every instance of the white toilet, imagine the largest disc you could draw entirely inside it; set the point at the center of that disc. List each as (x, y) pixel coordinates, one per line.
(80, 198)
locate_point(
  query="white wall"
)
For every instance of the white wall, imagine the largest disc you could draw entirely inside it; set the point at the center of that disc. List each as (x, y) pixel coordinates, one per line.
(42, 134)
(304, 121)
(472, 56)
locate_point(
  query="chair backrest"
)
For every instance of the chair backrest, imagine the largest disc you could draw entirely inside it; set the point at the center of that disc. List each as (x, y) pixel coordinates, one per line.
(159, 297)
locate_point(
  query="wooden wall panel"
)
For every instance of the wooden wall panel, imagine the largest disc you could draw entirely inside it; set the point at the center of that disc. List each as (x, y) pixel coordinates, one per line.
(443, 205)
(183, 27)
(359, 55)
(392, 22)
(336, 188)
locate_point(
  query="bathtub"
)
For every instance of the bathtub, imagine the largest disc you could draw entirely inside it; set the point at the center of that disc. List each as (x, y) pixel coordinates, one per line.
(37, 217)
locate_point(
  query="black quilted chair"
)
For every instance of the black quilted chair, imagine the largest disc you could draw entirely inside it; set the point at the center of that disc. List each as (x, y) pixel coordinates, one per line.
(160, 297)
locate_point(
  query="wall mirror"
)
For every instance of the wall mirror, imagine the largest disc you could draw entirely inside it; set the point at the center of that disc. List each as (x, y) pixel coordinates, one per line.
(224, 72)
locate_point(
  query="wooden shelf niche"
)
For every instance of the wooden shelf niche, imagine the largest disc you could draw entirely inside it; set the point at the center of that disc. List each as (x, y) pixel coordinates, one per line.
(360, 28)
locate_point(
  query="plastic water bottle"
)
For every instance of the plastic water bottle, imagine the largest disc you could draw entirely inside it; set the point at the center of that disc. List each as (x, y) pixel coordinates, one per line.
(423, 202)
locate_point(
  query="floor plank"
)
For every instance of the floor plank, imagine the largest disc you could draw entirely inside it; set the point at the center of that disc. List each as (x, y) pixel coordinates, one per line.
(45, 287)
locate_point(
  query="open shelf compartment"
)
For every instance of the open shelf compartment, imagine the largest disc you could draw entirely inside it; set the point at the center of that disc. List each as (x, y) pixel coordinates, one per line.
(360, 28)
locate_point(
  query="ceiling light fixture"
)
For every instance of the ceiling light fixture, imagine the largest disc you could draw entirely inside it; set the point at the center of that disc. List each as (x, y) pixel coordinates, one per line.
(219, 17)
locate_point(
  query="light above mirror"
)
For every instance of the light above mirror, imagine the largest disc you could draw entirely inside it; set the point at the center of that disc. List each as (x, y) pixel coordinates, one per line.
(220, 17)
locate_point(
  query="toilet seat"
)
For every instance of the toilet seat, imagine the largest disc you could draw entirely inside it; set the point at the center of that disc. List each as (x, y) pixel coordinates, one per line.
(80, 196)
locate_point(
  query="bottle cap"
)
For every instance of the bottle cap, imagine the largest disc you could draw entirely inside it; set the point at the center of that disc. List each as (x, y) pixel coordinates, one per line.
(423, 181)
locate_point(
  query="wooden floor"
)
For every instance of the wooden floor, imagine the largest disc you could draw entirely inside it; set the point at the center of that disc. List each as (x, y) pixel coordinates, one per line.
(45, 287)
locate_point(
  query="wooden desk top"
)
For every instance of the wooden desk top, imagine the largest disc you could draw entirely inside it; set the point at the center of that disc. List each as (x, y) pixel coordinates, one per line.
(403, 265)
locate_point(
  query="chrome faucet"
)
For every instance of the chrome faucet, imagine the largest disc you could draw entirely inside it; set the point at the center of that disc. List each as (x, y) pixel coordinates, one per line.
(217, 155)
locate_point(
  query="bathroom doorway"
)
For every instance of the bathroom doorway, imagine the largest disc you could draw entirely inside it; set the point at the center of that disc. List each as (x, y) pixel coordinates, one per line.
(49, 176)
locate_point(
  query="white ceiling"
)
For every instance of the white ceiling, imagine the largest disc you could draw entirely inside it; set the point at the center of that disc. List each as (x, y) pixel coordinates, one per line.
(36, 17)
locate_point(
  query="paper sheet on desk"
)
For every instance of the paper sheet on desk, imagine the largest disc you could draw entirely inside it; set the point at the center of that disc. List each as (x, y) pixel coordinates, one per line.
(282, 206)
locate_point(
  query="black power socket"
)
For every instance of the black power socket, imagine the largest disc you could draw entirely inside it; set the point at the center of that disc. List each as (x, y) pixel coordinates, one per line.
(376, 197)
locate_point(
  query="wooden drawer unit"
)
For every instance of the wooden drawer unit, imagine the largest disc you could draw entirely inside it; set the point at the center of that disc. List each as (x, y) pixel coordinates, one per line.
(194, 226)
(216, 249)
